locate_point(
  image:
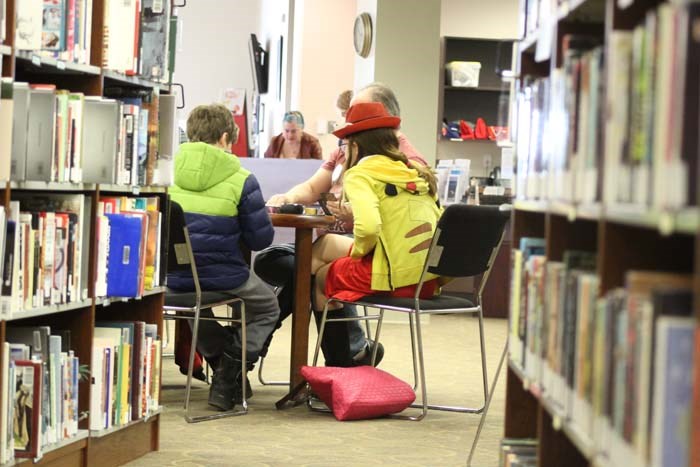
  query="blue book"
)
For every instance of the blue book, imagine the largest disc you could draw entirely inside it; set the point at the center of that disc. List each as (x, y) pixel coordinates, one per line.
(673, 391)
(531, 246)
(124, 258)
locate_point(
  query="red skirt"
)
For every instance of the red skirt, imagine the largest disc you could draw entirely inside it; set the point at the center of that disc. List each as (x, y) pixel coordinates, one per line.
(350, 279)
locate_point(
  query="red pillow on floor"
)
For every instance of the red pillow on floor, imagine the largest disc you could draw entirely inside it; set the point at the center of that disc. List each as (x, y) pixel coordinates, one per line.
(360, 392)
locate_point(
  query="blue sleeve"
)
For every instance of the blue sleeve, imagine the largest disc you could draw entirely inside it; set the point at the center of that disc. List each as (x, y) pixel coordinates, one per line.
(257, 232)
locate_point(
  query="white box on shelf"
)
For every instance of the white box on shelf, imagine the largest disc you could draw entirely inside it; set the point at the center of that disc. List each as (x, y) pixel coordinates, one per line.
(463, 74)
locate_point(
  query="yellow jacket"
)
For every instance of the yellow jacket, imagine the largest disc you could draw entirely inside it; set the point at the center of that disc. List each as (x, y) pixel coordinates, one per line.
(395, 216)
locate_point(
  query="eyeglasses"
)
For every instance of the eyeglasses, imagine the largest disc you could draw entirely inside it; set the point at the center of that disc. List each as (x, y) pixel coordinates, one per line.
(343, 145)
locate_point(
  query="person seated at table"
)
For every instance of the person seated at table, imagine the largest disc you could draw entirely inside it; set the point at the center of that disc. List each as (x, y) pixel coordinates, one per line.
(294, 142)
(395, 208)
(342, 103)
(344, 343)
(223, 208)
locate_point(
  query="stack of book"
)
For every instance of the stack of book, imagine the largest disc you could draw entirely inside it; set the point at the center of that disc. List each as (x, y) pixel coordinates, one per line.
(44, 241)
(129, 242)
(648, 115)
(617, 368)
(125, 373)
(39, 400)
(55, 135)
(517, 452)
(60, 29)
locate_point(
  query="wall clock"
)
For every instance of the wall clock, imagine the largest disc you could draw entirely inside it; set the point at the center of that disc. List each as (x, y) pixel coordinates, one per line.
(362, 34)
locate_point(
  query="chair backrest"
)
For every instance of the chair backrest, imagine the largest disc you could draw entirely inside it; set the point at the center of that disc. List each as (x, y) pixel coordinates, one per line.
(179, 258)
(465, 239)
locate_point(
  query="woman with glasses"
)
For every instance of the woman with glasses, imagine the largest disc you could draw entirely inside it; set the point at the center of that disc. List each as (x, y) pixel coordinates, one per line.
(294, 142)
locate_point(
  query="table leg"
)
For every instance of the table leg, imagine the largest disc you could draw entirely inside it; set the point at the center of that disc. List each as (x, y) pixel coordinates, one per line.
(301, 315)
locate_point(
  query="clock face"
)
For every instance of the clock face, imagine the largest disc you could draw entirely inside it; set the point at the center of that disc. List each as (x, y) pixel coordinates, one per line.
(362, 34)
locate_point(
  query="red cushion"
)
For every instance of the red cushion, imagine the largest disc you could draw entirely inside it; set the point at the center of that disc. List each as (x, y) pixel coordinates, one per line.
(360, 392)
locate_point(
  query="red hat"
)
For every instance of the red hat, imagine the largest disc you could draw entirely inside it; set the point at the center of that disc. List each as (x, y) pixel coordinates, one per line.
(366, 116)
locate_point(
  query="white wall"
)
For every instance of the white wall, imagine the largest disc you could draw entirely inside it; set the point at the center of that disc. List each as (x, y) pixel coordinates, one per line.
(214, 48)
(323, 63)
(407, 58)
(496, 19)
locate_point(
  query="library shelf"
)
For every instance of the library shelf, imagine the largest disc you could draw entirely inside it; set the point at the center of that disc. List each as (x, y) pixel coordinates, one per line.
(107, 301)
(131, 189)
(531, 205)
(475, 89)
(52, 65)
(60, 449)
(683, 221)
(5, 49)
(36, 185)
(470, 141)
(114, 429)
(528, 44)
(49, 310)
(114, 78)
(559, 421)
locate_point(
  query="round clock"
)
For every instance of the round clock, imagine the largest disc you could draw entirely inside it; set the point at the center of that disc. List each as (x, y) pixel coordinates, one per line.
(362, 34)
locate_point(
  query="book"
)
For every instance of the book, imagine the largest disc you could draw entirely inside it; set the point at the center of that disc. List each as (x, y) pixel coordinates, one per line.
(20, 124)
(6, 112)
(41, 133)
(673, 389)
(125, 255)
(27, 390)
(28, 26)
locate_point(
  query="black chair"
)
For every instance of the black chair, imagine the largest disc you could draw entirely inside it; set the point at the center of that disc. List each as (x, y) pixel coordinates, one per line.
(188, 305)
(465, 244)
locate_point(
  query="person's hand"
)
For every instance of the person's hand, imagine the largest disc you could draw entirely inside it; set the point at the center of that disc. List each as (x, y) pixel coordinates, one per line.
(278, 200)
(342, 211)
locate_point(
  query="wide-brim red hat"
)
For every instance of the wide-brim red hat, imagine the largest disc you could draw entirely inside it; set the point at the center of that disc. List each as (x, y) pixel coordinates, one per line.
(366, 116)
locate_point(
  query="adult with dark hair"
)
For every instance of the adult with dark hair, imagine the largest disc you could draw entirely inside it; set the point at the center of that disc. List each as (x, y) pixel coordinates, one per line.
(294, 142)
(395, 214)
(223, 208)
(344, 343)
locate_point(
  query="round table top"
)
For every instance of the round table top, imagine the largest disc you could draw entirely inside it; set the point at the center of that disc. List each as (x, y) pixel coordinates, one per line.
(301, 221)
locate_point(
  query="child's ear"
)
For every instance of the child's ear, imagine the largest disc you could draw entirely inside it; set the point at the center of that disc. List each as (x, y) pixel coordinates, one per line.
(225, 139)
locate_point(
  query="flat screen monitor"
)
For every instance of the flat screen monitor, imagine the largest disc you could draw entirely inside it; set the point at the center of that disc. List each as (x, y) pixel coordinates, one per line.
(258, 64)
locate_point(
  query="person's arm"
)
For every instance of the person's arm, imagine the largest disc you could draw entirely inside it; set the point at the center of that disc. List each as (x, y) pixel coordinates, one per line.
(306, 192)
(365, 205)
(257, 231)
(273, 147)
(315, 150)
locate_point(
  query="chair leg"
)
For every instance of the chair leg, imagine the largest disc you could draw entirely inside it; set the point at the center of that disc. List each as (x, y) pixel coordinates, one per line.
(376, 334)
(367, 325)
(268, 383)
(421, 377)
(229, 413)
(411, 325)
(482, 420)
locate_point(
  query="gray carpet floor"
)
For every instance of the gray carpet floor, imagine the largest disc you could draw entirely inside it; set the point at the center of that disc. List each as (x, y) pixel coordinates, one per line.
(299, 437)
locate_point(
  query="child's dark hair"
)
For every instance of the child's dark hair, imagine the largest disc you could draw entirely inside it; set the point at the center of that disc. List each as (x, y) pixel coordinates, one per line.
(383, 141)
(207, 123)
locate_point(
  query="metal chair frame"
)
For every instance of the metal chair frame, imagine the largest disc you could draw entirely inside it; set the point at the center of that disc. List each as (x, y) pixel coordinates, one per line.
(432, 260)
(184, 256)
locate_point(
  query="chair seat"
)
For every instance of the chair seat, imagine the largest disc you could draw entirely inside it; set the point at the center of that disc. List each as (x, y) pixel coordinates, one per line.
(187, 299)
(441, 302)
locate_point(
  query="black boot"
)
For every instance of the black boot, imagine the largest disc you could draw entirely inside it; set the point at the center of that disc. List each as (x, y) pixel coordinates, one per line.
(336, 340)
(226, 383)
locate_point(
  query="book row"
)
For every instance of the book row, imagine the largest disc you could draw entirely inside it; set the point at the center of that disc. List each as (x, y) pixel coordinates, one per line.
(54, 135)
(124, 373)
(44, 243)
(39, 397)
(618, 367)
(135, 34)
(622, 128)
(516, 452)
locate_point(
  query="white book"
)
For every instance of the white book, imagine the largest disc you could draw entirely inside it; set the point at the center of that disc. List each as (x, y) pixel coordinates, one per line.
(97, 382)
(28, 24)
(4, 406)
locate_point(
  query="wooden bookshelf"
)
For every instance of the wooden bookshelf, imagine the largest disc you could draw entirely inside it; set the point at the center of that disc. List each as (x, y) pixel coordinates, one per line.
(622, 237)
(120, 444)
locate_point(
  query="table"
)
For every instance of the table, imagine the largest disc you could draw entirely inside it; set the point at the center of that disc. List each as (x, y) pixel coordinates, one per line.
(304, 226)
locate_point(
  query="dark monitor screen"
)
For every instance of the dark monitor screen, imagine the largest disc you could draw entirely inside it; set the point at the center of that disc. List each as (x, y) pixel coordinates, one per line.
(258, 64)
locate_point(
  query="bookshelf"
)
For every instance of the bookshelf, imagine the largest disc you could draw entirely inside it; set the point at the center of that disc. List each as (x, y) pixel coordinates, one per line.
(586, 406)
(469, 103)
(94, 72)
